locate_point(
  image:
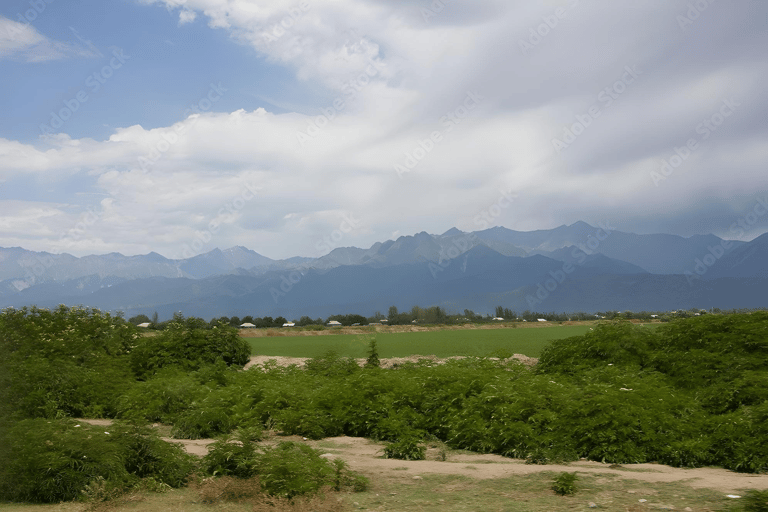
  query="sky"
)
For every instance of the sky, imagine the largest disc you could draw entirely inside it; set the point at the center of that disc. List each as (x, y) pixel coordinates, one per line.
(293, 127)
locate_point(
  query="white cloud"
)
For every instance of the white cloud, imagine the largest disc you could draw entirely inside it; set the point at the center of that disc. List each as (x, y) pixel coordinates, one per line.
(423, 71)
(23, 41)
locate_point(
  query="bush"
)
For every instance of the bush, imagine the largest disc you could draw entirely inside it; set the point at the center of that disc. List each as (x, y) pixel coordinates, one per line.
(51, 461)
(373, 355)
(292, 469)
(331, 364)
(405, 448)
(234, 455)
(64, 362)
(189, 349)
(565, 484)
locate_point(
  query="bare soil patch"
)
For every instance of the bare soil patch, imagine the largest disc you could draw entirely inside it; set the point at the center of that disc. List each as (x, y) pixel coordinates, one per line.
(366, 456)
(390, 362)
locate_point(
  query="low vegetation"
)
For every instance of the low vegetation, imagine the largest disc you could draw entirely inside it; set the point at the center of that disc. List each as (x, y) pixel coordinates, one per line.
(689, 393)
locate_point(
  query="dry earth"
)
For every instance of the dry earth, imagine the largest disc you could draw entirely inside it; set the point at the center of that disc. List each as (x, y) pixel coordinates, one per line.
(365, 456)
(390, 362)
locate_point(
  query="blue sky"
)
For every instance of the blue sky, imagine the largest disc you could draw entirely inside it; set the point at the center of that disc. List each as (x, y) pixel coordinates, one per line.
(406, 116)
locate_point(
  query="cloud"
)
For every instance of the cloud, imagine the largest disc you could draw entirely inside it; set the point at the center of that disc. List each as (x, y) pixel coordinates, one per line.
(398, 79)
(23, 42)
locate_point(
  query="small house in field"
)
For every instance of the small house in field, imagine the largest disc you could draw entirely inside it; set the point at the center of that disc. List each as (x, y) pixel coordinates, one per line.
(334, 323)
(289, 324)
(247, 325)
(541, 319)
(499, 319)
(144, 325)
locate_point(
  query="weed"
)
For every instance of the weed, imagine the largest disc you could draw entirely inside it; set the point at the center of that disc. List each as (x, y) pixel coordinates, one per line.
(405, 448)
(565, 484)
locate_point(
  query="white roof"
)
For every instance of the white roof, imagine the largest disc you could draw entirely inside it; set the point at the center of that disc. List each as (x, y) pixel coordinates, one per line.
(145, 324)
(498, 318)
(288, 324)
(247, 324)
(334, 322)
(541, 319)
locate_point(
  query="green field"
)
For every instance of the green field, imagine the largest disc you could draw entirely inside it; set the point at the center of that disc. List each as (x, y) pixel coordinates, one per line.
(465, 342)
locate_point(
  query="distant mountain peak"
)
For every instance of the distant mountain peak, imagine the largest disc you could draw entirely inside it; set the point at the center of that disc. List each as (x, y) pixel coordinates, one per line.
(453, 232)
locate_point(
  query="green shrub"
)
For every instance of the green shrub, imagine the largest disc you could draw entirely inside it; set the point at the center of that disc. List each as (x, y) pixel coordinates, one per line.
(162, 398)
(373, 355)
(565, 484)
(232, 455)
(331, 364)
(292, 469)
(189, 349)
(406, 448)
(63, 362)
(203, 421)
(50, 461)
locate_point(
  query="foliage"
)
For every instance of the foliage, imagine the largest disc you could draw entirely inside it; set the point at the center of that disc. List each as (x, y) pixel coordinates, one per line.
(233, 455)
(373, 355)
(406, 448)
(188, 349)
(50, 461)
(565, 484)
(63, 362)
(291, 469)
(331, 364)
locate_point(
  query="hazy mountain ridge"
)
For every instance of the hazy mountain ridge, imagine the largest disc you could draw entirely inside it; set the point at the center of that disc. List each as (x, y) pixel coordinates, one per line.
(572, 267)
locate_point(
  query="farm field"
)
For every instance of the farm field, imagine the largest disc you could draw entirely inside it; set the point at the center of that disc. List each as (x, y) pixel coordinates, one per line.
(440, 343)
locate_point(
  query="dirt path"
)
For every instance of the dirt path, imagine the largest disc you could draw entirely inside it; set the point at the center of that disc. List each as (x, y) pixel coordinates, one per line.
(391, 362)
(364, 455)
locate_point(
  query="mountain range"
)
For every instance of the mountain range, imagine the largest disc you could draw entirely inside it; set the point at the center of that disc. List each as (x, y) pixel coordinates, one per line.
(570, 268)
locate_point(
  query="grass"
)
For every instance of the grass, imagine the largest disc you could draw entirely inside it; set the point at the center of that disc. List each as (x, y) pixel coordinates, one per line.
(438, 493)
(447, 343)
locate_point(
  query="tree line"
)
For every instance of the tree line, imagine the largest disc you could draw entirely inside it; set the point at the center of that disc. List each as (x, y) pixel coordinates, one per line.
(435, 315)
